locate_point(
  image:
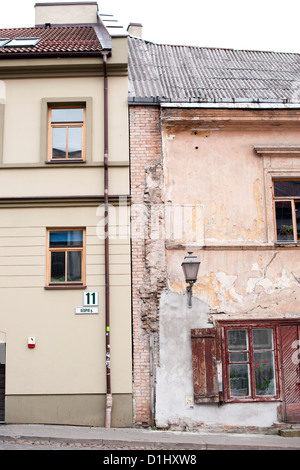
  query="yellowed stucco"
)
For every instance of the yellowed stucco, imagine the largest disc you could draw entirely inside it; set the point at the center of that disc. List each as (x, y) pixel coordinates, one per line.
(63, 379)
(218, 175)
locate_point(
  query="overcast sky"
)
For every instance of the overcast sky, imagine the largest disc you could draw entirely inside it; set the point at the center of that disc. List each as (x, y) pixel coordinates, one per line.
(267, 25)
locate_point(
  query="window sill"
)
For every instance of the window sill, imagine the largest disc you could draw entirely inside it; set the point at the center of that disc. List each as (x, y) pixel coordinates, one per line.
(64, 286)
(66, 161)
(252, 400)
(287, 243)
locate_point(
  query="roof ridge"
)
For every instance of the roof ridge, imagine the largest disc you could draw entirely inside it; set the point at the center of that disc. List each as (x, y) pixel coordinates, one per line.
(213, 48)
(49, 27)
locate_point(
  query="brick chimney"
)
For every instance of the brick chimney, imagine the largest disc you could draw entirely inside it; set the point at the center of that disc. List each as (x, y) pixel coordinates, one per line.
(135, 29)
(66, 13)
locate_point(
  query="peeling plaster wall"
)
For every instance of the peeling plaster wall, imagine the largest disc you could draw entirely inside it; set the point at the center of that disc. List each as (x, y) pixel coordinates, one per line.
(175, 376)
(218, 198)
(220, 172)
(218, 204)
(217, 171)
(248, 283)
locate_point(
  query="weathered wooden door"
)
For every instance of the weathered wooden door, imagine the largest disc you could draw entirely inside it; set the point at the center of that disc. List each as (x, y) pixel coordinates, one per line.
(290, 335)
(2, 391)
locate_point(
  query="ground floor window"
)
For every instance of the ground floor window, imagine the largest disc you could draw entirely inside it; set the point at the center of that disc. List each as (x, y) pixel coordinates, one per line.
(65, 257)
(250, 362)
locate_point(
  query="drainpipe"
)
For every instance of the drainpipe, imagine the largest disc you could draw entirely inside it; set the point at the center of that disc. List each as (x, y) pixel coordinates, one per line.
(108, 407)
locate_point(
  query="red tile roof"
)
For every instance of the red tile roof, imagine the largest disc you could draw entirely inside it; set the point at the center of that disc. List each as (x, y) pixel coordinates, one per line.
(74, 40)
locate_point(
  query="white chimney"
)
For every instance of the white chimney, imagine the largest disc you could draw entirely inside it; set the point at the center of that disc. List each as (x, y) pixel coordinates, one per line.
(66, 13)
(135, 29)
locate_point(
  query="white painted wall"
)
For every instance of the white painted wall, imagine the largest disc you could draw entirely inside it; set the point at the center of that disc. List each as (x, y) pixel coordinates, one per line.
(175, 375)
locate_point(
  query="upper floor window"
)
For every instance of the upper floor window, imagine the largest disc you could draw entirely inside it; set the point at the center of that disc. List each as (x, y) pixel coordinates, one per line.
(66, 133)
(287, 210)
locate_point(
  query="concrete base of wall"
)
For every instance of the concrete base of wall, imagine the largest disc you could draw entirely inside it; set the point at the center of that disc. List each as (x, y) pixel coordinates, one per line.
(80, 410)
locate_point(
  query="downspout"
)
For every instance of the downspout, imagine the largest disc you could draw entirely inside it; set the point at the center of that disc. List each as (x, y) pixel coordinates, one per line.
(108, 407)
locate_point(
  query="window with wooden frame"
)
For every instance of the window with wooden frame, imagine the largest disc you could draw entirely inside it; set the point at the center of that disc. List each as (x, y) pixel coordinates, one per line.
(234, 363)
(250, 363)
(286, 193)
(65, 257)
(66, 133)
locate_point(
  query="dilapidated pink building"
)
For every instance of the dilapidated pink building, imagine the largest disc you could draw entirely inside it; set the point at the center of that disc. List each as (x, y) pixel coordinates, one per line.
(215, 170)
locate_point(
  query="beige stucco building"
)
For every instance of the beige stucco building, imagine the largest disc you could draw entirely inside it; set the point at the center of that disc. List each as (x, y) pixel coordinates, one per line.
(65, 287)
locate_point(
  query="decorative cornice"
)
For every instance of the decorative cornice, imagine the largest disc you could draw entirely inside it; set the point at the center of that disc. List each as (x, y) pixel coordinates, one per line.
(63, 201)
(276, 151)
(213, 118)
(57, 70)
(233, 246)
(53, 165)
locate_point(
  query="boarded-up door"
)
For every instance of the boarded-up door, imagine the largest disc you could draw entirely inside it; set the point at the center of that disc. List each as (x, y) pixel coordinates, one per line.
(2, 391)
(291, 371)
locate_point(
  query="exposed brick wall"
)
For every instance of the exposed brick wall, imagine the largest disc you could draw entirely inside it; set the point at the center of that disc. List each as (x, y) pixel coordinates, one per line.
(146, 178)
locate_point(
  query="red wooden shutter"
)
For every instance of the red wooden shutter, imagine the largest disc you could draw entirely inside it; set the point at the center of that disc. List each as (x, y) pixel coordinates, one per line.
(290, 335)
(206, 353)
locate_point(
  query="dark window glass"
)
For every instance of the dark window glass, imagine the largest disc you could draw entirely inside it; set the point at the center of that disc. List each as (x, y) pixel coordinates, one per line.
(287, 188)
(238, 357)
(66, 238)
(239, 374)
(239, 380)
(58, 266)
(264, 370)
(237, 340)
(74, 266)
(284, 220)
(264, 362)
(297, 208)
(263, 338)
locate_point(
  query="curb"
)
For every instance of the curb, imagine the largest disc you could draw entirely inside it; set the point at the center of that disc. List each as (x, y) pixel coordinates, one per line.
(150, 445)
(139, 439)
(287, 433)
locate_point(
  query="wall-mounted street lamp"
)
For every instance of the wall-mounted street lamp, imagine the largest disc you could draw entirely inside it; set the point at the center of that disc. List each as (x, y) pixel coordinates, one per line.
(190, 266)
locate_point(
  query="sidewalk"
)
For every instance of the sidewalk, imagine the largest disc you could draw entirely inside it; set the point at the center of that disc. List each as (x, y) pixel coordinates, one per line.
(145, 437)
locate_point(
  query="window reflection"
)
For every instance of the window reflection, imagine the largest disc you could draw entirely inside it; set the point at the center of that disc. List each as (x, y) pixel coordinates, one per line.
(59, 142)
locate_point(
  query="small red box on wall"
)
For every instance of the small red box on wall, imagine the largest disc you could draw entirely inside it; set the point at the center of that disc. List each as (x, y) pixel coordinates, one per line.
(31, 342)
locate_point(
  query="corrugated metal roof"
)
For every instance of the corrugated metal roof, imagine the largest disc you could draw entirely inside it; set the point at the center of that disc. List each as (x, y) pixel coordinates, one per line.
(82, 39)
(186, 73)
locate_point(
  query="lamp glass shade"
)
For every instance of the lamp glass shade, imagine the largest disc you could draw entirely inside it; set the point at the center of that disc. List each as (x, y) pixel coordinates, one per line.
(190, 268)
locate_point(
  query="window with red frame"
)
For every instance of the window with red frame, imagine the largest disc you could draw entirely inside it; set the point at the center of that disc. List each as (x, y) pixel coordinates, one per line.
(250, 359)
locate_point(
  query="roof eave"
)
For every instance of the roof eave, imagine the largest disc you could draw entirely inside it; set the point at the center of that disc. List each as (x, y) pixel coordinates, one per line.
(48, 55)
(199, 103)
